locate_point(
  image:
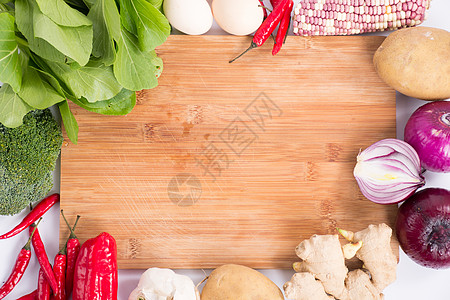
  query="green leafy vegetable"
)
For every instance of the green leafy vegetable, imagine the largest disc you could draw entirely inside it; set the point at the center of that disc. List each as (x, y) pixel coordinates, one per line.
(25, 21)
(93, 53)
(37, 92)
(134, 69)
(70, 124)
(75, 42)
(62, 14)
(12, 107)
(10, 70)
(51, 80)
(95, 81)
(106, 20)
(152, 28)
(121, 104)
(156, 3)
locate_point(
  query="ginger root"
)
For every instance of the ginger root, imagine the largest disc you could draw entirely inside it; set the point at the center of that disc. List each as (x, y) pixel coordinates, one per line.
(377, 255)
(323, 263)
(303, 286)
(360, 287)
(327, 266)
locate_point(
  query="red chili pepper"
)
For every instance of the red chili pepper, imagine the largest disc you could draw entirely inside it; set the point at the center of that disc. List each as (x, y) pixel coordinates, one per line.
(264, 8)
(267, 27)
(30, 296)
(72, 251)
(34, 215)
(21, 265)
(95, 275)
(274, 3)
(282, 29)
(59, 268)
(42, 257)
(43, 289)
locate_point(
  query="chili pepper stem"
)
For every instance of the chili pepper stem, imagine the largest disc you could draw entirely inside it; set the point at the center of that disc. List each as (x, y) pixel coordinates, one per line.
(252, 45)
(72, 234)
(265, 7)
(28, 244)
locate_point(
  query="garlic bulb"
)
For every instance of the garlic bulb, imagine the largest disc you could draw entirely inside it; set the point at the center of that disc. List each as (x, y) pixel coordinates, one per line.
(164, 284)
(388, 171)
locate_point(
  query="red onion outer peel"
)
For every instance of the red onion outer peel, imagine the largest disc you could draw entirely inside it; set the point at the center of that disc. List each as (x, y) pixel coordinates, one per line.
(423, 228)
(428, 132)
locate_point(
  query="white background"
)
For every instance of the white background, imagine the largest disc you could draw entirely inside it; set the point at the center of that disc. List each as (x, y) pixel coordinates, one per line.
(413, 281)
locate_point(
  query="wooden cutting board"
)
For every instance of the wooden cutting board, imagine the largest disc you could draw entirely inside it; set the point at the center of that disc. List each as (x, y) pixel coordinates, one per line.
(232, 163)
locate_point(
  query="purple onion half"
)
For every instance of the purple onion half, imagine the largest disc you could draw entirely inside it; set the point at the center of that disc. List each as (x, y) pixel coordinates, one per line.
(428, 132)
(388, 171)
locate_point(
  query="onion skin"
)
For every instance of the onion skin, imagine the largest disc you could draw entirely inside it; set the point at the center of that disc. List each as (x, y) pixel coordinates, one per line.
(423, 228)
(428, 132)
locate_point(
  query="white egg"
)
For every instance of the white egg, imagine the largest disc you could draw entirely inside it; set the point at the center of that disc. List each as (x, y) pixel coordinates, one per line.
(238, 17)
(189, 16)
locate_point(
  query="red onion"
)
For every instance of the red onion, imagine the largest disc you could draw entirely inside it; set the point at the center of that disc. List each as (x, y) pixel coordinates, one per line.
(428, 131)
(423, 228)
(388, 171)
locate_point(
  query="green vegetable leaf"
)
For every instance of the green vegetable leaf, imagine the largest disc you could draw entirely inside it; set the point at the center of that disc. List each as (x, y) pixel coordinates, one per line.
(75, 42)
(10, 69)
(51, 80)
(89, 3)
(152, 27)
(95, 81)
(126, 16)
(62, 14)
(37, 92)
(158, 63)
(25, 21)
(156, 3)
(133, 68)
(106, 24)
(12, 107)
(70, 123)
(121, 104)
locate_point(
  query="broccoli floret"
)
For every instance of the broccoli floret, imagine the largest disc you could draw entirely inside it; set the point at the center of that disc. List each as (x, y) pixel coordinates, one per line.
(28, 155)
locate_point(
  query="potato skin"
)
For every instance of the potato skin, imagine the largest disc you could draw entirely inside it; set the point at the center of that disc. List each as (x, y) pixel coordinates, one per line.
(416, 62)
(236, 282)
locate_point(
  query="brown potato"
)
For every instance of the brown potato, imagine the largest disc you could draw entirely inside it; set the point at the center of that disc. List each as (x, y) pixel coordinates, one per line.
(236, 282)
(416, 62)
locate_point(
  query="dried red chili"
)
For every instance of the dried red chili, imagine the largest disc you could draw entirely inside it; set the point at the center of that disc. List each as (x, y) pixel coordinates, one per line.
(95, 274)
(43, 288)
(267, 27)
(21, 265)
(42, 257)
(282, 29)
(34, 215)
(72, 251)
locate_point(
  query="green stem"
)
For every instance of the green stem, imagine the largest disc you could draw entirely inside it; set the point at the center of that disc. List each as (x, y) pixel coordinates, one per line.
(21, 41)
(72, 233)
(28, 244)
(4, 7)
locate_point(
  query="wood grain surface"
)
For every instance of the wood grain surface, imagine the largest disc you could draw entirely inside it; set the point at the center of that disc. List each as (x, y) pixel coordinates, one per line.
(232, 163)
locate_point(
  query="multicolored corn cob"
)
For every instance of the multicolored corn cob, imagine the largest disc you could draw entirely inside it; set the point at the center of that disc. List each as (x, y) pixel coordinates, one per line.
(345, 17)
